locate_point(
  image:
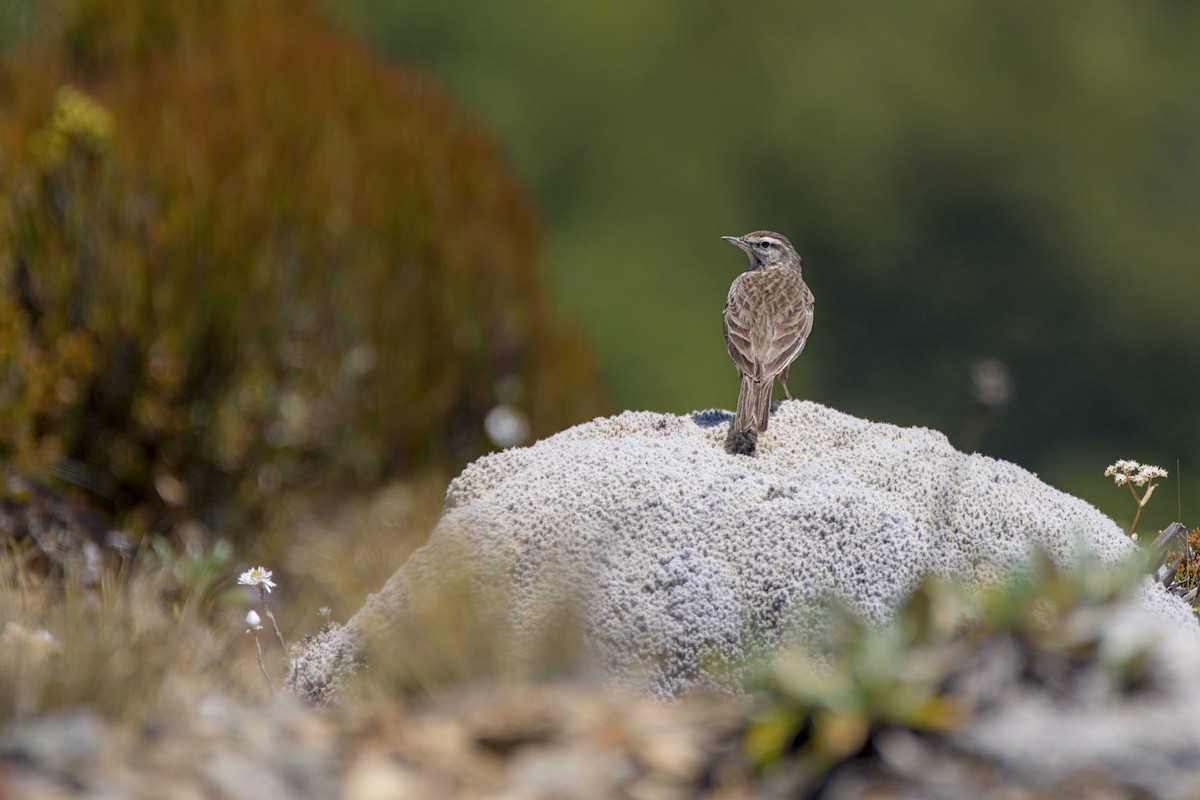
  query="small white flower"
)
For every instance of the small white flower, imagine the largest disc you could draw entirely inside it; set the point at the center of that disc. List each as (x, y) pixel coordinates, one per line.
(1146, 473)
(1123, 466)
(1149, 472)
(1124, 471)
(258, 576)
(254, 621)
(1133, 536)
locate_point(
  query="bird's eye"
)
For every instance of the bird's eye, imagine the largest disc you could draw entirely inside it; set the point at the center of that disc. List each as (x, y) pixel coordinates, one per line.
(765, 244)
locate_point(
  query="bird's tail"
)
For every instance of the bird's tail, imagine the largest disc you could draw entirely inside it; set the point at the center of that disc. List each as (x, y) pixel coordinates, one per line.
(754, 405)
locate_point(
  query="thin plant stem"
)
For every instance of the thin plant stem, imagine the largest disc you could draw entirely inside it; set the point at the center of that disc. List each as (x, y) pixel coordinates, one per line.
(1137, 515)
(263, 666)
(1132, 527)
(263, 593)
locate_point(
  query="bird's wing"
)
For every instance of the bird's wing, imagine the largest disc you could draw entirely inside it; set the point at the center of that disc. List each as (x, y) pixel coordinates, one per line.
(759, 305)
(737, 335)
(791, 332)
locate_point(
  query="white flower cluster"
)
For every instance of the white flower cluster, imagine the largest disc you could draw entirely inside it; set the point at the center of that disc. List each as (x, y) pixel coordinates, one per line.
(1123, 472)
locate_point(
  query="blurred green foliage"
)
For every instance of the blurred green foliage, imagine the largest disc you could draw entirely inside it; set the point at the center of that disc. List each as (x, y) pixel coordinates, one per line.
(965, 180)
(950, 656)
(240, 257)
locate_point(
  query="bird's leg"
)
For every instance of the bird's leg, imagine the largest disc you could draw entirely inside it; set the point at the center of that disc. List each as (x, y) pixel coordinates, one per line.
(783, 380)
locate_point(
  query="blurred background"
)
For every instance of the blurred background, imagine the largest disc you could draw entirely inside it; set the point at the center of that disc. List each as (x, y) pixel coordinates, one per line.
(255, 249)
(964, 180)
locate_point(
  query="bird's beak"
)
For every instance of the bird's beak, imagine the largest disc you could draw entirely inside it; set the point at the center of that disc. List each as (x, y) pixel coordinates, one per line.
(740, 244)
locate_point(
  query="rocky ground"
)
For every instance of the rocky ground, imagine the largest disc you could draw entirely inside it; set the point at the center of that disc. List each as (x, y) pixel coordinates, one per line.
(547, 742)
(534, 743)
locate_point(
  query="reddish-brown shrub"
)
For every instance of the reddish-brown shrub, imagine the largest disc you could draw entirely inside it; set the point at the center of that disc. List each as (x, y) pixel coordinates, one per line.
(240, 256)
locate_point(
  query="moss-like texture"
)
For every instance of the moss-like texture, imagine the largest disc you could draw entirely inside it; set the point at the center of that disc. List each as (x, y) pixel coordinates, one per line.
(239, 256)
(677, 561)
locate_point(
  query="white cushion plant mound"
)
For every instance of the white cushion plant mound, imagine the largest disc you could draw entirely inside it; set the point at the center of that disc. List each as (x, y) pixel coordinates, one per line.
(676, 554)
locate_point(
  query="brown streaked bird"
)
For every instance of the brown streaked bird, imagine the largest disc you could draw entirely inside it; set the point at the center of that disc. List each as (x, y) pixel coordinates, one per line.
(768, 317)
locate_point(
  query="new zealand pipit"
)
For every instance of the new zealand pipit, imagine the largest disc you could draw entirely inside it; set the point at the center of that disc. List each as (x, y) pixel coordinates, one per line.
(767, 320)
